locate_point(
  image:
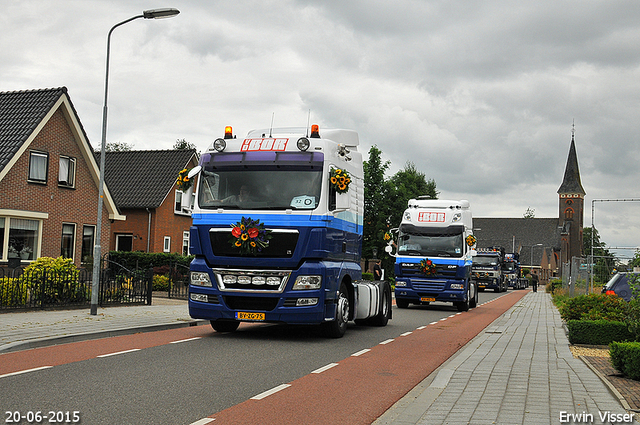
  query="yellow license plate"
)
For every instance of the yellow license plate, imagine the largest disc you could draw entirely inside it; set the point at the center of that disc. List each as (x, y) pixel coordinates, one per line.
(243, 315)
(427, 299)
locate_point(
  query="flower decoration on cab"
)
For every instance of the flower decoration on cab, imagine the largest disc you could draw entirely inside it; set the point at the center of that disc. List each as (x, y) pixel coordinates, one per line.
(387, 236)
(340, 180)
(183, 181)
(471, 240)
(249, 236)
(427, 267)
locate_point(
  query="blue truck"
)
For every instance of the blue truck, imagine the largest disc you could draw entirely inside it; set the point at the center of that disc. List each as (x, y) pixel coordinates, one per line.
(277, 232)
(488, 269)
(434, 252)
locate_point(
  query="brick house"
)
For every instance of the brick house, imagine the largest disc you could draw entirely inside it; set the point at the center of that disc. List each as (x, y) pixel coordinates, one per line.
(143, 185)
(48, 180)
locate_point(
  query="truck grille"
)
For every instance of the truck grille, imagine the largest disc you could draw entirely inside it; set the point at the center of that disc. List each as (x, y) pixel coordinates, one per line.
(443, 271)
(427, 285)
(251, 280)
(281, 245)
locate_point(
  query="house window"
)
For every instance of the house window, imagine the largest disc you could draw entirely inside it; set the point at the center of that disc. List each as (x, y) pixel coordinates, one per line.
(19, 238)
(2, 220)
(88, 233)
(185, 243)
(67, 247)
(67, 172)
(38, 167)
(167, 244)
(124, 243)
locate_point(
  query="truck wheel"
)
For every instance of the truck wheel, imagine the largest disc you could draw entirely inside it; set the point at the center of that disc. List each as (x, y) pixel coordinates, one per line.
(225, 325)
(385, 308)
(402, 303)
(337, 327)
(474, 299)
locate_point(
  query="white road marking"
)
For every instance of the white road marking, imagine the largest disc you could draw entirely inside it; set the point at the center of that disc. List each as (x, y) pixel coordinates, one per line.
(269, 392)
(119, 352)
(323, 368)
(361, 352)
(25, 371)
(185, 340)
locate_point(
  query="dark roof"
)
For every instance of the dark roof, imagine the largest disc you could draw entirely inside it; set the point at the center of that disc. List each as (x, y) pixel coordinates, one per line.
(571, 182)
(142, 179)
(521, 233)
(20, 114)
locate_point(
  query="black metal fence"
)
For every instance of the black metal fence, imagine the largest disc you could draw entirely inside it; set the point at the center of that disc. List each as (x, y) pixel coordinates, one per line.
(29, 289)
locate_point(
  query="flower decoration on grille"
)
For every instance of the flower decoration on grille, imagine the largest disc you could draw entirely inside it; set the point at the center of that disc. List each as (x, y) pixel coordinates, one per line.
(340, 180)
(427, 267)
(249, 236)
(183, 181)
(471, 240)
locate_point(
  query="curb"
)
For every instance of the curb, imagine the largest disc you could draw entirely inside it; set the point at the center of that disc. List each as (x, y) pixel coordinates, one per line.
(609, 385)
(65, 339)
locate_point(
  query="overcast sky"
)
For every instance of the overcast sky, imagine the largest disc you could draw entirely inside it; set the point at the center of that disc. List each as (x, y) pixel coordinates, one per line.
(479, 95)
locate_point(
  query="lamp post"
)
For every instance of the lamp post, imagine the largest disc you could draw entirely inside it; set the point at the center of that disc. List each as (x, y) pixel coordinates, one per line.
(97, 248)
(532, 246)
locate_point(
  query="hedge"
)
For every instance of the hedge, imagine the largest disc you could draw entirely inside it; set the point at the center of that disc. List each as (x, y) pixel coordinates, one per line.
(625, 357)
(598, 332)
(144, 260)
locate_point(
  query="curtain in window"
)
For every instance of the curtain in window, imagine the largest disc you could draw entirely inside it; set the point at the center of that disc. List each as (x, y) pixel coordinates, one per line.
(38, 167)
(63, 174)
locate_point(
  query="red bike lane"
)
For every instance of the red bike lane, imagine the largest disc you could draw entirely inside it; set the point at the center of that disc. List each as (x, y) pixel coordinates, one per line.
(360, 388)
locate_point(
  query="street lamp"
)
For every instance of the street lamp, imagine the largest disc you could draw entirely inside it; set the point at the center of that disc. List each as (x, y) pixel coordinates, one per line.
(97, 248)
(538, 244)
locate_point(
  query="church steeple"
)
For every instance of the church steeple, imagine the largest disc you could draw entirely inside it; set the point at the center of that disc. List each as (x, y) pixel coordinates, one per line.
(571, 183)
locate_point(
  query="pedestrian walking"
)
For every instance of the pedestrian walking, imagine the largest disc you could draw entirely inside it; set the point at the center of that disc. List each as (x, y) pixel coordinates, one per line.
(534, 282)
(377, 271)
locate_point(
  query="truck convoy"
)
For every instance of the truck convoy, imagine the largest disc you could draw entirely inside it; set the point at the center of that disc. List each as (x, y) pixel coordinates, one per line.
(487, 269)
(277, 232)
(512, 272)
(434, 251)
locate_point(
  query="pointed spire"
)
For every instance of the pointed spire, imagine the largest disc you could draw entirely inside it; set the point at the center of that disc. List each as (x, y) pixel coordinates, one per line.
(571, 182)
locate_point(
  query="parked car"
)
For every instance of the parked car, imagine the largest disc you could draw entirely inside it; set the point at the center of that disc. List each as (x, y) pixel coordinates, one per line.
(619, 285)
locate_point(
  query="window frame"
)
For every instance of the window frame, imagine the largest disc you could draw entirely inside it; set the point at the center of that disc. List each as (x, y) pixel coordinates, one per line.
(71, 171)
(73, 240)
(30, 177)
(166, 245)
(6, 237)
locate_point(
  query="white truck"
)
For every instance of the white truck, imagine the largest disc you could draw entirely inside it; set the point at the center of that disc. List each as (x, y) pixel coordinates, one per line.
(277, 232)
(434, 254)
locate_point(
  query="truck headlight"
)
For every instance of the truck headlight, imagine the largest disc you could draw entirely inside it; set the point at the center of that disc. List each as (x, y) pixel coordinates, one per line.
(307, 282)
(200, 279)
(456, 286)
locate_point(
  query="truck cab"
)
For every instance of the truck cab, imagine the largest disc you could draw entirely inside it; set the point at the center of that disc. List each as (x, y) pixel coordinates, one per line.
(488, 269)
(434, 251)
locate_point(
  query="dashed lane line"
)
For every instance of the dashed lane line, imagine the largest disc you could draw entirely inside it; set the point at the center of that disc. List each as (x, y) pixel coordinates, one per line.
(271, 391)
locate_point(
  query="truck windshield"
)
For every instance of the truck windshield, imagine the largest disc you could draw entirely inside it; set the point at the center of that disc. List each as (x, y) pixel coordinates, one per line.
(430, 245)
(509, 266)
(254, 189)
(479, 260)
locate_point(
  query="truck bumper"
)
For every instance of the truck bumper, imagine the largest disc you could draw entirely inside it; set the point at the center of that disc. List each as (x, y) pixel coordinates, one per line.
(208, 304)
(412, 295)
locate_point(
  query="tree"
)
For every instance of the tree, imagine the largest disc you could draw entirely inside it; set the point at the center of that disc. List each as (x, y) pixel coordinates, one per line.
(375, 208)
(406, 184)
(635, 262)
(530, 213)
(182, 144)
(117, 147)
(603, 260)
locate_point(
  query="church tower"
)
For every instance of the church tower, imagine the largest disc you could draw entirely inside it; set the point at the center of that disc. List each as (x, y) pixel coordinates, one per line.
(571, 214)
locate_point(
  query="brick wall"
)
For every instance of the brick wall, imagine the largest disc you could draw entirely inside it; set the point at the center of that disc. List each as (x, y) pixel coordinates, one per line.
(76, 206)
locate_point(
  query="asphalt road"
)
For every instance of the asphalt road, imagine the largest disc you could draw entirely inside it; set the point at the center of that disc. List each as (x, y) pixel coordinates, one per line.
(181, 376)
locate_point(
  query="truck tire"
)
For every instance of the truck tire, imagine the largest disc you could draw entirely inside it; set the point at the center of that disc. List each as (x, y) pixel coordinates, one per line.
(385, 307)
(337, 327)
(225, 325)
(402, 303)
(474, 300)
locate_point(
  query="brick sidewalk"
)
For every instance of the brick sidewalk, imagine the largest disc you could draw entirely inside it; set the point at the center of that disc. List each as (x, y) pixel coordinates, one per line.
(628, 388)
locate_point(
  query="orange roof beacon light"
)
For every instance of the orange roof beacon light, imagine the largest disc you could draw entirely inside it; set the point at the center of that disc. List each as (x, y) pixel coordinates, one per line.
(315, 131)
(228, 132)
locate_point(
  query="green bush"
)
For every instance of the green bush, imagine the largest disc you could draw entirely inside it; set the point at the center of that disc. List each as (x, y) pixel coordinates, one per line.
(367, 276)
(60, 279)
(12, 292)
(553, 286)
(160, 282)
(594, 307)
(633, 317)
(598, 332)
(625, 357)
(147, 260)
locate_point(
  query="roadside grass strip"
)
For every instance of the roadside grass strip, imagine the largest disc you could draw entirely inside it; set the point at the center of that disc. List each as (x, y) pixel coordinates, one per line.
(269, 392)
(25, 371)
(186, 340)
(361, 352)
(118, 353)
(323, 368)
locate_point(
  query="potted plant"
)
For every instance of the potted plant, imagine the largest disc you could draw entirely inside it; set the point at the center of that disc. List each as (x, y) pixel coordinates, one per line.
(25, 253)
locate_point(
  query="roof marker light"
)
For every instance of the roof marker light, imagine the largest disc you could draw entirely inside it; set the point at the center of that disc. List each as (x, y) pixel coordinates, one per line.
(315, 131)
(228, 132)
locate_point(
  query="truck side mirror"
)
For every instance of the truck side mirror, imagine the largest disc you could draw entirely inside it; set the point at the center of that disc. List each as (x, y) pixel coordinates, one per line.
(194, 171)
